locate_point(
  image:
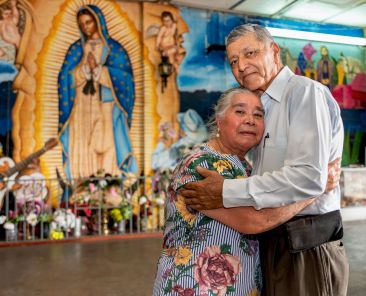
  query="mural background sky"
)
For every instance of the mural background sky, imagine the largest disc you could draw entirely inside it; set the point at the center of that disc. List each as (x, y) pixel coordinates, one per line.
(211, 72)
(199, 70)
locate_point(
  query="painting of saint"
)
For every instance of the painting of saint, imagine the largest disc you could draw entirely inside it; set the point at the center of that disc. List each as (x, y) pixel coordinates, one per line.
(96, 98)
(325, 68)
(163, 37)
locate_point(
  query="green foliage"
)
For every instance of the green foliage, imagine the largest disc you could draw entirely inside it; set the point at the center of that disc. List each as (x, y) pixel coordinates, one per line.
(168, 287)
(225, 249)
(205, 220)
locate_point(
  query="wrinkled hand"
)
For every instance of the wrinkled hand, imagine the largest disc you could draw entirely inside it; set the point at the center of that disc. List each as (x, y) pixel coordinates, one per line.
(205, 194)
(334, 174)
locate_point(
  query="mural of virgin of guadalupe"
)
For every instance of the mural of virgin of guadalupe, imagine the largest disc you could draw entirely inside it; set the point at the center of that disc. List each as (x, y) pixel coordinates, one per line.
(96, 98)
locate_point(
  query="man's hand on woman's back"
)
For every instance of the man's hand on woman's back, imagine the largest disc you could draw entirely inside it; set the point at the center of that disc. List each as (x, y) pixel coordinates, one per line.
(205, 194)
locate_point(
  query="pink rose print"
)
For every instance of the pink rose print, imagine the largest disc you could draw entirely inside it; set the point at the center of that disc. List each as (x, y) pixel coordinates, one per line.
(215, 271)
(183, 292)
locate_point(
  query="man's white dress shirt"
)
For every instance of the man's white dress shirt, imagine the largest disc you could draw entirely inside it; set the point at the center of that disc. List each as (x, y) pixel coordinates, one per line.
(303, 133)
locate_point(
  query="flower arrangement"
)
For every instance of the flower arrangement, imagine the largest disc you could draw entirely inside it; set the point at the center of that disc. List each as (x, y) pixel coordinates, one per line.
(101, 188)
(9, 222)
(124, 212)
(63, 220)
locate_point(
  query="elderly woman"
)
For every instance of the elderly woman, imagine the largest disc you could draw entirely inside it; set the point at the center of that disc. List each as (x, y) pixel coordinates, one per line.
(205, 253)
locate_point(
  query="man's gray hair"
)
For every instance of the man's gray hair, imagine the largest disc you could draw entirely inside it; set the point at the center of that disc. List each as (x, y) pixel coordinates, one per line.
(222, 105)
(260, 32)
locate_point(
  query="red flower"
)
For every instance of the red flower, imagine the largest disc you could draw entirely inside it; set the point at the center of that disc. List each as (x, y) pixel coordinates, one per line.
(215, 271)
(183, 292)
(187, 292)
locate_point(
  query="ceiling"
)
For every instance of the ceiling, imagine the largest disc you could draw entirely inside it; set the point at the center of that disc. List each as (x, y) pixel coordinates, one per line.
(344, 12)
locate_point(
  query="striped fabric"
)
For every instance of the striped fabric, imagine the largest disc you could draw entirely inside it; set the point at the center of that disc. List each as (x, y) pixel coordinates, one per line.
(201, 256)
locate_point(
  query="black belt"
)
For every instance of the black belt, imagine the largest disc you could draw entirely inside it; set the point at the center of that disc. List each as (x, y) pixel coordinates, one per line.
(306, 232)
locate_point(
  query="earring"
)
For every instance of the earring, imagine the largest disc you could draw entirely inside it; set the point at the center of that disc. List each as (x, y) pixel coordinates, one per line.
(218, 133)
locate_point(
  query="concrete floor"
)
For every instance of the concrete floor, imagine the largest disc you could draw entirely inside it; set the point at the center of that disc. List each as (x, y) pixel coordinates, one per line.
(119, 267)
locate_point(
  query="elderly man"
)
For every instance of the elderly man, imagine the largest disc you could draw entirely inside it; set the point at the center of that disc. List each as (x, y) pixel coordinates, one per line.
(304, 132)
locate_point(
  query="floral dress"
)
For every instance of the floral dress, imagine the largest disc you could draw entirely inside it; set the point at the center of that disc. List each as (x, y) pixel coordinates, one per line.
(202, 256)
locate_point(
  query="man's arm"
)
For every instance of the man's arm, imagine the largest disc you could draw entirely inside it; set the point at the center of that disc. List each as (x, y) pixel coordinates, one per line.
(302, 176)
(250, 221)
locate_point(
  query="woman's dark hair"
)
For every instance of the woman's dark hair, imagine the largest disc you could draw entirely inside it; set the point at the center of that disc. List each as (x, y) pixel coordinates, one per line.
(84, 11)
(165, 14)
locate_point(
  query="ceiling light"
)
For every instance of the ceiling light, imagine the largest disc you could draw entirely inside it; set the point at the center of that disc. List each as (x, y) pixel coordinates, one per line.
(304, 35)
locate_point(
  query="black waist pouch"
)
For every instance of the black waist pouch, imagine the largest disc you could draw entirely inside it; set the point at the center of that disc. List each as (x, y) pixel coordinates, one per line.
(312, 231)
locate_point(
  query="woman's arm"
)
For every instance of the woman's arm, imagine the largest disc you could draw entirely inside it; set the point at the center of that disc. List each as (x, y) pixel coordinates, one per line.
(251, 221)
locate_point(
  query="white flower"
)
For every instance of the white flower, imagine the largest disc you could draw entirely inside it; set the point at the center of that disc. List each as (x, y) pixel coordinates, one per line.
(60, 221)
(86, 198)
(2, 219)
(70, 219)
(9, 226)
(53, 225)
(128, 195)
(32, 219)
(159, 201)
(64, 219)
(142, 200)
(103, 183)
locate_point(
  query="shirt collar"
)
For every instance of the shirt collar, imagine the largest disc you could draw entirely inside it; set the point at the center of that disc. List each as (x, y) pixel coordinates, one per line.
(278, 84)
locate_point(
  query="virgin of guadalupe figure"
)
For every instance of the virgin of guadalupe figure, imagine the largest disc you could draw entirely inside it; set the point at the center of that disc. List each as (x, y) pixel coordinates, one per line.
(325, 68)
(96, 98)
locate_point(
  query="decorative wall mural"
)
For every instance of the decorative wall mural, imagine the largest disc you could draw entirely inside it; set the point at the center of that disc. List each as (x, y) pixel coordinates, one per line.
(163, 36)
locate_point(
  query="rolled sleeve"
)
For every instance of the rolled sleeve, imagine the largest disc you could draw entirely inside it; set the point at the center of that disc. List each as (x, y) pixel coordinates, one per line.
(235, 193)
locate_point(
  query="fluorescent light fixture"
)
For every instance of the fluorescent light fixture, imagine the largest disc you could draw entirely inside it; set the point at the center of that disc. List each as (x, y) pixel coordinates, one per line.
(295, 34)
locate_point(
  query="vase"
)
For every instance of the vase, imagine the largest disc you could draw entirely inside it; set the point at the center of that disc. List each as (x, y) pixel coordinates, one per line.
(122, 226)
(46, 230)
(77, 229)
(11, 234)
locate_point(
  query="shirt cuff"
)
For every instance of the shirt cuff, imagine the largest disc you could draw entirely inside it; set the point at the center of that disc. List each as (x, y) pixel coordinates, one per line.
(235, 193)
